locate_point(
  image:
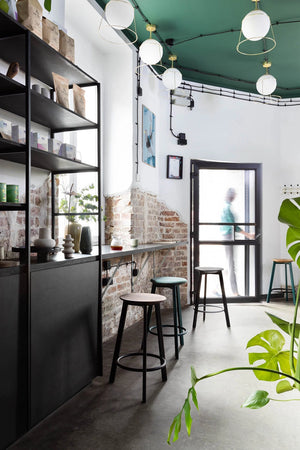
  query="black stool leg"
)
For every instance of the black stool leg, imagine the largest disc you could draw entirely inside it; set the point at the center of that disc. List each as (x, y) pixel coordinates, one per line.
(160, 342)
(149, 314)
(197, 295)
(224, 299)
(177, 290)
(118, 343)
(145, 354)
(175, 322)
(204, 298)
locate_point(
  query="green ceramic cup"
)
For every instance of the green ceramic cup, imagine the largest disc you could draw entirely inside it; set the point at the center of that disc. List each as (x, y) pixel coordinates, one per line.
(2, 192)
(12, 193)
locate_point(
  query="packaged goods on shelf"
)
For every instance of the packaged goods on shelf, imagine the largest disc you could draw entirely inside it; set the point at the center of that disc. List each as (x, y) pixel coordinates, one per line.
(5, 129)
(30, 14)
(79, 100)
(50, 33)
(18, 134)
(39, 141)
(68, 151)
(66, 46)
(61, 86)
(54, 146)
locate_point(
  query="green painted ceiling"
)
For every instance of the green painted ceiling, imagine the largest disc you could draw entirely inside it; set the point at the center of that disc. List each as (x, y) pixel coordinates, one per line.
(214, 59)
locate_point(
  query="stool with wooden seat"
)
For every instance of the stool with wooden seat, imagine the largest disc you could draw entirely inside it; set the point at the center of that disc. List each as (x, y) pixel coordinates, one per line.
(286, 263)
(146, 301)
(178, 330)
(208, 271)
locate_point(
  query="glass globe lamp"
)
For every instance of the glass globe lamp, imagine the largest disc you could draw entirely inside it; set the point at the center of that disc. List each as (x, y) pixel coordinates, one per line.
(171, 78)
(119, 14)
(266, 84)
(151, 51)
(256, 25)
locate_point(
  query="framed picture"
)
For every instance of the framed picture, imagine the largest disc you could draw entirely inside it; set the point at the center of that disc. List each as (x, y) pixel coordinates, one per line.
(174, 167)
(149, 131)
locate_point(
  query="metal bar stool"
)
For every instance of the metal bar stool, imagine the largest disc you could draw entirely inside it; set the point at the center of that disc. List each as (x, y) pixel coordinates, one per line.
(178, 330)
(209, 271)
(145, 301)
(286, 262)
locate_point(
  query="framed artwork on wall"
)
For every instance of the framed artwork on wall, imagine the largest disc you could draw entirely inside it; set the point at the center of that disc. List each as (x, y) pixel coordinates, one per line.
(174, 167)
(149, 132)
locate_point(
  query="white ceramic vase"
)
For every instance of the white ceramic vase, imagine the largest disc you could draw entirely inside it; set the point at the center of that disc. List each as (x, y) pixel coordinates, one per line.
(44, 240)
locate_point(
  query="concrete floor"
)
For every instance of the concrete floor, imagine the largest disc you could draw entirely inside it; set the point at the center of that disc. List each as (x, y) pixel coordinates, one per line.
(112, 417)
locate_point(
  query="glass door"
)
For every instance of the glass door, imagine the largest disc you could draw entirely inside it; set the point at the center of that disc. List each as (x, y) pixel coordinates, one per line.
(226, 226)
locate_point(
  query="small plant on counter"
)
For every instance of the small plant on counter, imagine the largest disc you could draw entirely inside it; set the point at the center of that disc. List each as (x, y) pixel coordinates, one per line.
(279, 365)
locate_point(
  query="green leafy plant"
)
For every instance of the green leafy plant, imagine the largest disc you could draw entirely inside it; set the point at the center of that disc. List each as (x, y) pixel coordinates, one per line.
(85, 201)
(272, 362)
(47, 5)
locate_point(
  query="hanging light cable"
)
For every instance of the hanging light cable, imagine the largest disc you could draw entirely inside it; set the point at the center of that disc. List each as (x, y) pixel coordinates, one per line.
(151, 50)
(266, 84)
(172, 77)
(255, 27)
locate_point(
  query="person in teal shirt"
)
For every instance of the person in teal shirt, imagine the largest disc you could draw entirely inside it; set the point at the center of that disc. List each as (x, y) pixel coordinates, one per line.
(228, 232)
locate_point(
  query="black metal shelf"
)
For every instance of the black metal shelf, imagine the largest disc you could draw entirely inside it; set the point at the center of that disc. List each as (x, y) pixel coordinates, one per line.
(6, 206)
(44, 59)
(45, 112)
(41, 159)
(9, 86)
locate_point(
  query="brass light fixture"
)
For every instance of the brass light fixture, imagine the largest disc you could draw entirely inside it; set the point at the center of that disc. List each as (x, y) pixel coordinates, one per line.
(266, 84)
(151, 50)
(172, 77)
(255, 27)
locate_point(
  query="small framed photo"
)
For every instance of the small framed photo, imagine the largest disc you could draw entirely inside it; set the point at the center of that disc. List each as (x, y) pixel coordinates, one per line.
(174, 167)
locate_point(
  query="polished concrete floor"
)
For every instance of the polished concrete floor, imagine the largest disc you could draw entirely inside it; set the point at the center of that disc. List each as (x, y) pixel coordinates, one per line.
(111, 416)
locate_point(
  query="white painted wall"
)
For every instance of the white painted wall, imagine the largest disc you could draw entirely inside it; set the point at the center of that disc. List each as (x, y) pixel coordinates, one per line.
(225, 129)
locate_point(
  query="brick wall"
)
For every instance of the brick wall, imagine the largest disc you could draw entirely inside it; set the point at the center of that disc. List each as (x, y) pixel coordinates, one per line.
(149, 220)
(12, 223)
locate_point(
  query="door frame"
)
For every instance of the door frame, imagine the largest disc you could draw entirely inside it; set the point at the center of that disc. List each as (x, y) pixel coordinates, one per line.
(196, 165)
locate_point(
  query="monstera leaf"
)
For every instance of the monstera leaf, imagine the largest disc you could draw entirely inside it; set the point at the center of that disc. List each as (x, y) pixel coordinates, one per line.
(290, 214)
(274, 358)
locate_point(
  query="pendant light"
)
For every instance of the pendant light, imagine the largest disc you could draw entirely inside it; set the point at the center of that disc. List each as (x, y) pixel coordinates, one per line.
(266, 84)
(255, 27)
(172, 77)
(256, 24)
(119, 14)
(151, 50)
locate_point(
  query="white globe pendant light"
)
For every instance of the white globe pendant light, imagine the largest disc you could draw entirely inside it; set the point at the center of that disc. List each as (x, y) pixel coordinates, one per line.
(256, 25)
(150, 50)
(119, 14)
(172, 77)
(266, 84)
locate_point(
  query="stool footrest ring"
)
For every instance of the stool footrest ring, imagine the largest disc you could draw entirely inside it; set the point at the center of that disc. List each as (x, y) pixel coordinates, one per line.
(217, 307)
(182, 331)
(137, 369)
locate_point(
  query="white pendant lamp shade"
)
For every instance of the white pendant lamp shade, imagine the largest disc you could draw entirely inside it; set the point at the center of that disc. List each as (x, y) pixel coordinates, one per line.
(119, 14)
(151, 51)
(171, 78)
(256, 25)
(266, 84)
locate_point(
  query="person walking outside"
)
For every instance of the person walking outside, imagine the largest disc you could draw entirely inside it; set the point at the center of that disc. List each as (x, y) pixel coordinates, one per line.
(228, 233)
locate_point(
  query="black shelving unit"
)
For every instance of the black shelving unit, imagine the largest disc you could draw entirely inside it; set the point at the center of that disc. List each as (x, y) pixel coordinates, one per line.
(39, 60)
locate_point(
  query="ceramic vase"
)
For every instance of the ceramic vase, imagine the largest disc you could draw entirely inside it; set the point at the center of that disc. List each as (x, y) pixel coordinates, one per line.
(74, 229)
(86, 241)
(44, 240)
(68, 247)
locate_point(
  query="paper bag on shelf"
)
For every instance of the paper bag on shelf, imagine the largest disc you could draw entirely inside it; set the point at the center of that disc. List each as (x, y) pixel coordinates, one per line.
(50, 33)
(30, 15)
(61, 86)
(79, 100)
(66, 46)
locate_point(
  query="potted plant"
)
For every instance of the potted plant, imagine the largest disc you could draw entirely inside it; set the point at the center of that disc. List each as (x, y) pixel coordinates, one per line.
(280, 365)
(87, 202)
